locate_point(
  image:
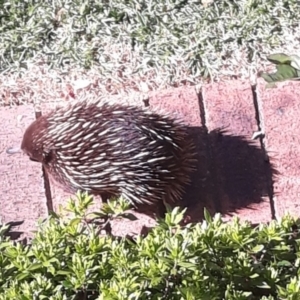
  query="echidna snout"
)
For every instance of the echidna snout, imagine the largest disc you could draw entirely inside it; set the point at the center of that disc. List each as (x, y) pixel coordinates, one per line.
(29, 146)
(113, 149)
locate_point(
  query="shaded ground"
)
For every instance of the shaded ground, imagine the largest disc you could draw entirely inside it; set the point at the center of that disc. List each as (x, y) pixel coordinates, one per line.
(257, 180)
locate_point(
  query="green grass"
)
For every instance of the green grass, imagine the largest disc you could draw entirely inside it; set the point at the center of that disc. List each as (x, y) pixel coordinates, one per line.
(156, 42)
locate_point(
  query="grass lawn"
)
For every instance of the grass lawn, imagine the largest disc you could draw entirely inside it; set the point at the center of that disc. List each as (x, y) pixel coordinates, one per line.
(121, 47)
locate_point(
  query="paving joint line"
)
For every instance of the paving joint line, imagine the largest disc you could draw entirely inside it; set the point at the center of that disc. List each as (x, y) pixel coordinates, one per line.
(261, 128)
(209, 150)
(47, 187)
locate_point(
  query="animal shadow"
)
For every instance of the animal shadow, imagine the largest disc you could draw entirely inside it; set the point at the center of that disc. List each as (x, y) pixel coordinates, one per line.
(232, 173)
(12, 233)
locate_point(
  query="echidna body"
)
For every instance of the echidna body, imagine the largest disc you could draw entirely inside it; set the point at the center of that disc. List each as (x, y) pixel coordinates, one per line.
(113, 149)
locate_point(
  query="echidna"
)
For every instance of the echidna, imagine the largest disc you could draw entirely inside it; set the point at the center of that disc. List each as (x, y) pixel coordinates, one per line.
(113, 149)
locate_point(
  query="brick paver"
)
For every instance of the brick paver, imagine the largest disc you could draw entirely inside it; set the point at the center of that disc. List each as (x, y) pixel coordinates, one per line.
(232, 175)
(22, 189)
(238, 161)
(183, 103)
(281, 111)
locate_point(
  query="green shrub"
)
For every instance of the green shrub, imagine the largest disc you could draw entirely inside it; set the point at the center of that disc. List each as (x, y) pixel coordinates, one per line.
(69, 259)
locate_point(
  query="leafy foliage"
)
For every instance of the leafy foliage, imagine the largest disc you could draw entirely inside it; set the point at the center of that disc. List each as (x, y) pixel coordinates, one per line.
(69, 259)
(287, 68)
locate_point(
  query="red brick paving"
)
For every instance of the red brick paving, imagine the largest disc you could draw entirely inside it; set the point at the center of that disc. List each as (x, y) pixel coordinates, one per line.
(184, 103)
(281, 111)
(238, 160)
(232, 176)
(181, 102)
(22, 191)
